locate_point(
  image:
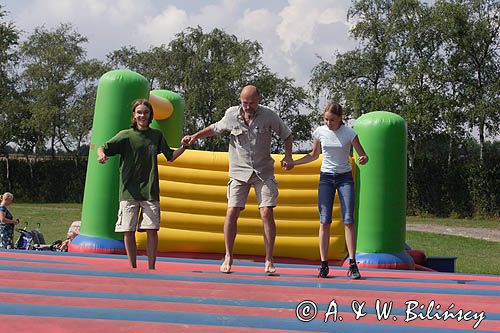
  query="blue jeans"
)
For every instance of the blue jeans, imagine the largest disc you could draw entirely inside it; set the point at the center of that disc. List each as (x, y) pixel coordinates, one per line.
(328, 184)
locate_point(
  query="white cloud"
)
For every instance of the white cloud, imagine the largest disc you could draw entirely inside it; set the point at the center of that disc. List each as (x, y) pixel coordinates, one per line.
(258, 23)
(86, 13)
(301, 18)
(223, 14)
(311, 29)
(107, 24)
(160, 29)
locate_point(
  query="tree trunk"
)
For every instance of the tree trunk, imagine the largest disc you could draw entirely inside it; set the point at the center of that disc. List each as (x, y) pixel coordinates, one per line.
(7, 174)
(30, 165)
(450, 147)
(481, 140)
(53, 143)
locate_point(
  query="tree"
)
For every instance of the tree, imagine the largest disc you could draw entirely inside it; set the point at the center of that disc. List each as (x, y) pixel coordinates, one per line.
(437, 66)
(9, 100)
(471, 33)
(209, 70)
(60, 87)
(360, 79)
(417, 63)
(151, 63)
(292, 104)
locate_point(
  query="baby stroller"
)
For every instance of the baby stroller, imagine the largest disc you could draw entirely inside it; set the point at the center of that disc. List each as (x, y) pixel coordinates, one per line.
(25, 240)
(34, 240)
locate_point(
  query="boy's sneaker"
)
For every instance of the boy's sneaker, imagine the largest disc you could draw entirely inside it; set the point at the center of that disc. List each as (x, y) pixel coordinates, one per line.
(354, 271)
(323, 271)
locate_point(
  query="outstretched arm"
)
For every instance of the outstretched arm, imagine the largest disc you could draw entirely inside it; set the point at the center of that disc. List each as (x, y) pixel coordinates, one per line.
(188, 140)
(178, 152)
(362, 157)
(312, 156)
(287, 161)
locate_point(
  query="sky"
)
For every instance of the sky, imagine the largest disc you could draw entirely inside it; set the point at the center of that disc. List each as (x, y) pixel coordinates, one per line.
(293, 33)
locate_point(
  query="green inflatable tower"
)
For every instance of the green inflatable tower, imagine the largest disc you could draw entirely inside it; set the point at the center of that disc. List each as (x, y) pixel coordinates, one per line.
(116, 91)
(381, 192)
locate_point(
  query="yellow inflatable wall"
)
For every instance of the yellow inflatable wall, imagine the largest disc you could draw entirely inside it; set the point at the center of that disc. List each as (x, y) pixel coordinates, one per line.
(193, 206)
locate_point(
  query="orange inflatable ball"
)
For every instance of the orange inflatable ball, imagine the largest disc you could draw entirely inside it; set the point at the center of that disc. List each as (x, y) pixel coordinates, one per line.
(162, 107)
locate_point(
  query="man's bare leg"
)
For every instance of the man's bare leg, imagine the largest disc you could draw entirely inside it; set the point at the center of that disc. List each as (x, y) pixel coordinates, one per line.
(152, 247)
(131, 248)
(267, 215)
(230, 230)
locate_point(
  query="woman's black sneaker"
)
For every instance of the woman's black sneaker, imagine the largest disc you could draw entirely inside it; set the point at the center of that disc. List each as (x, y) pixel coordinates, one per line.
(354, 271)
(323, 271)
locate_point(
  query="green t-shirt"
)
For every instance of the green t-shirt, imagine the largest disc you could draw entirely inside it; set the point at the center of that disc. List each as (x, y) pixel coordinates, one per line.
(138, 152)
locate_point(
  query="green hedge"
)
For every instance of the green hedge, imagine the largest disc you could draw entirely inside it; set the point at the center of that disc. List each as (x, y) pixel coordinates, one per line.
(44, 180)
(466, 189)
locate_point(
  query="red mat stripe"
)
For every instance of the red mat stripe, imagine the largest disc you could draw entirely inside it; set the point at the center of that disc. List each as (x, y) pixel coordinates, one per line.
(11, 324)
(174, 270)
(262, 293)
(34, 279)
(228, 310)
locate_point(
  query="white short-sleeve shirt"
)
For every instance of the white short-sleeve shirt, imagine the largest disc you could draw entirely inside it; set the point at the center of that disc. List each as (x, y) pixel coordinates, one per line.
(336, 147)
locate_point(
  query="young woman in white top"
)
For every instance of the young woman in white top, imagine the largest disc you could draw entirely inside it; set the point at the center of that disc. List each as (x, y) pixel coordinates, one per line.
(335, 140)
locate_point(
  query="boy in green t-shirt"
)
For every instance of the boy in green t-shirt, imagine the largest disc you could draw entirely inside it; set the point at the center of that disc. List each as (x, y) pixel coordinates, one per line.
(138, 148)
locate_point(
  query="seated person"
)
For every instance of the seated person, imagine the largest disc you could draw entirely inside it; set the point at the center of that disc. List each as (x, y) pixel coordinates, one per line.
(73, 231)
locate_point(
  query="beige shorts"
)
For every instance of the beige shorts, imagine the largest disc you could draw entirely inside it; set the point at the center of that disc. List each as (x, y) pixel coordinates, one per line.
(266, 192)
(142, 215)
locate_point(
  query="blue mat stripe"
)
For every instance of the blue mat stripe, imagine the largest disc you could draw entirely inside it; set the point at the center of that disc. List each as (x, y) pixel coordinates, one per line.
(199, 300)
(158, 316)
(41, 261)
(269, 282)
(341, 274)
(336, 273)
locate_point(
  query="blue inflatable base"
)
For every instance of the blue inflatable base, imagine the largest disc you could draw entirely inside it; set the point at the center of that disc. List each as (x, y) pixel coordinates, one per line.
(385, 260)
(83, 243)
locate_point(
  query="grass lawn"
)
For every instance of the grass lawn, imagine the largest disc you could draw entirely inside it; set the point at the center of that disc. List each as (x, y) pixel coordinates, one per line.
(468, 223)
(474, 255)
(54, 219)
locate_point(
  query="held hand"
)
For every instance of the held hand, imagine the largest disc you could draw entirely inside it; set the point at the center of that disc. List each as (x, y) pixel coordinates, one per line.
(185, 141)
(188, 140)
(283, 164)
(362, 159)
(16, 221)
(101, 157)
(287, 163)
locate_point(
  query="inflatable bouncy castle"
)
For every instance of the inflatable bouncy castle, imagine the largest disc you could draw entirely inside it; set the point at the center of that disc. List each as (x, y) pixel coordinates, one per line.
(193, 190)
